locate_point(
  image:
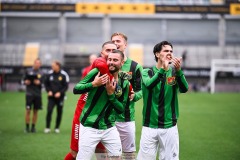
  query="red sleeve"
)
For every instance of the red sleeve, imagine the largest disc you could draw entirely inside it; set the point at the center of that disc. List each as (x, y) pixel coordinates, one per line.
(85, 71)
(101, 64)
(130, 89)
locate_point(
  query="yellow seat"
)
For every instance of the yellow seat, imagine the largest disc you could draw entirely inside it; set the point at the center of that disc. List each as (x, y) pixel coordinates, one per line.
(31, 53)
(136, 53)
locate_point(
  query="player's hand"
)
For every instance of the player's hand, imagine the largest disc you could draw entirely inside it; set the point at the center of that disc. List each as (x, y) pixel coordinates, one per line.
(57, 95)
(27, 82)
(165, 60)
(110, 86)
(132, 94)
(36, 82)
(177, 62)
(100, 80)
(50, 94)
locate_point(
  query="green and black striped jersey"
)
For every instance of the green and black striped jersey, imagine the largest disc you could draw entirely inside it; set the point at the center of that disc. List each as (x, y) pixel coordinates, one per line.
(101, 109)
(134, 70)
(160, 99)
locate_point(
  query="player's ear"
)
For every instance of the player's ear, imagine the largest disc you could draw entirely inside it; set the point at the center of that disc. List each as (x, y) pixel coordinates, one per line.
(126, 44)
(122, 62)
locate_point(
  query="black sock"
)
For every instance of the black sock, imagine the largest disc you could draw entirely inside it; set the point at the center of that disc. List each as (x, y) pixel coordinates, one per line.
(27, 126)
(33, 125)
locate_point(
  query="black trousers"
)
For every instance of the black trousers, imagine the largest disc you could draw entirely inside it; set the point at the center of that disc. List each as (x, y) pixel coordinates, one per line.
(51, 104)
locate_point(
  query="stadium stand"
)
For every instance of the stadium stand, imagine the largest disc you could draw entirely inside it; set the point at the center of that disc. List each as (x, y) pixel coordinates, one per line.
(75, 1)
(30, 54)
(204, 29)
(179, 2)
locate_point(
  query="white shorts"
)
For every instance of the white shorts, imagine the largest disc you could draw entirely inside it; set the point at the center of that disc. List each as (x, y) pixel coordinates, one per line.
(90, 137)
(127, 134)
(166, 139)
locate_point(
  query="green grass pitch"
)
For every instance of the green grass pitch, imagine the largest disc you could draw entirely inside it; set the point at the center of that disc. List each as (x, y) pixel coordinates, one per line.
(208, 128)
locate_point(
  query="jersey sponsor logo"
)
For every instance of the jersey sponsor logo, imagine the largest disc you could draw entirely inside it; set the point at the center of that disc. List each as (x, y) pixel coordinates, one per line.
(171, 81)
(60, 78)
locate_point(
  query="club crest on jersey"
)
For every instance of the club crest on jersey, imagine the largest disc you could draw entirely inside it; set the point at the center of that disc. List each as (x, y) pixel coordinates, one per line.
(60, 78)
(171, 81)
(118, 91)
(129, 75)
(125, 75)
(38, 76)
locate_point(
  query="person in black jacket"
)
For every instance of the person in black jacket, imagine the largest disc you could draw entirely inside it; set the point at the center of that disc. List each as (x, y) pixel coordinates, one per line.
(56, 85)
(33, 79)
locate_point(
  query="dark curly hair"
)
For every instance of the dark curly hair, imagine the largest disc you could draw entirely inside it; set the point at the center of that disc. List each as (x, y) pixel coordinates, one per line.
(158, 48)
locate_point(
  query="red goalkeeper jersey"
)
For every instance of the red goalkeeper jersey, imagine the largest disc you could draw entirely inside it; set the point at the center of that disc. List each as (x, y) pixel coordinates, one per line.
(101, 64)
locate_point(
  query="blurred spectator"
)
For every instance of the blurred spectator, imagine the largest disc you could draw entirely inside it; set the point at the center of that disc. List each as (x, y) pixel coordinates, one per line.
(33, 80)
(184, 58)
(195, 87)
(1, 82)
(85, 70)
(56, 85)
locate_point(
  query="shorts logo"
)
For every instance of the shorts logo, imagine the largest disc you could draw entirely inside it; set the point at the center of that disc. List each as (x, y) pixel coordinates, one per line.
(171, 81)
(174, 155)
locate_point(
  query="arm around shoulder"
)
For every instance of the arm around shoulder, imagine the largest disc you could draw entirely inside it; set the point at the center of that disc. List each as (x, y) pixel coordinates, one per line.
(85, 84)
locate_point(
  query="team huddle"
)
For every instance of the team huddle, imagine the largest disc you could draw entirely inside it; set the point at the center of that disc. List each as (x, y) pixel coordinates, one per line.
(104, 118)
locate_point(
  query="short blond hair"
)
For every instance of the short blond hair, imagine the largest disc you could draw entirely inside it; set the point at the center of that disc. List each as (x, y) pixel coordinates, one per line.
(119, 34)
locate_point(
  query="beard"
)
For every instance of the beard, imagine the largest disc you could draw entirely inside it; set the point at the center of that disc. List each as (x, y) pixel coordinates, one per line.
(113, 69)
